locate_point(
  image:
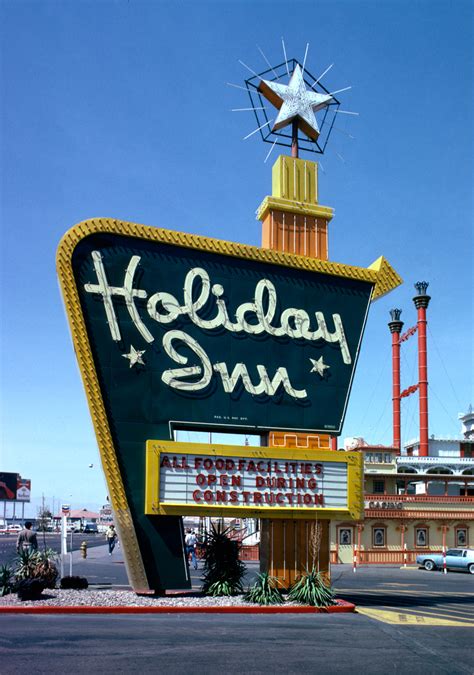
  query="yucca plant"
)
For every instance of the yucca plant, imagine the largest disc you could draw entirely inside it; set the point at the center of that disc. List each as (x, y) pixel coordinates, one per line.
(6, 580)
(37, 565)
(265, 591)
(311, 589)
(25, 565)
(223, 569)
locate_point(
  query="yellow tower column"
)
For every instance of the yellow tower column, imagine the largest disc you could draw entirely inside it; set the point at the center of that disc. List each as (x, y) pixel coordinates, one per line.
(294, 222)
(292, 219)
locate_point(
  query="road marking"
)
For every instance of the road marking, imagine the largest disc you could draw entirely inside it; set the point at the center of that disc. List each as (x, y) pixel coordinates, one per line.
(448, 612)
(375, 591)
(397, 584)
(399, 618)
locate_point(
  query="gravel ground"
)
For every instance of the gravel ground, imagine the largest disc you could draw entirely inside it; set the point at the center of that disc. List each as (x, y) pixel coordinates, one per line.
(118, 598)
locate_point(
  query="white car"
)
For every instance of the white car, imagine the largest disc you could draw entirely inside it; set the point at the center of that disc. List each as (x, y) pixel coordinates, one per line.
(14, 529)
(455, 559)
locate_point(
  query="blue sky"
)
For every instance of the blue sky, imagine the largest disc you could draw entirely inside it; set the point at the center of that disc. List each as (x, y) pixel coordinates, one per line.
(121, 109)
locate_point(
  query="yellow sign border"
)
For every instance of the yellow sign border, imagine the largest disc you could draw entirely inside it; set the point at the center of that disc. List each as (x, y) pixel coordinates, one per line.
(155, 449)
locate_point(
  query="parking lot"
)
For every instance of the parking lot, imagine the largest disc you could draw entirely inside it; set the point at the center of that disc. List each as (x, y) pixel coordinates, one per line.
(47, 540)
(407, 621)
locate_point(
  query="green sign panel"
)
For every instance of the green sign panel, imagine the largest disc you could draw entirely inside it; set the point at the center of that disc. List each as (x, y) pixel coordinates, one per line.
(190, 338)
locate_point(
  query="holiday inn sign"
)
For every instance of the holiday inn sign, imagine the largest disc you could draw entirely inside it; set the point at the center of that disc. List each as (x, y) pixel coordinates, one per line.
(178, 331)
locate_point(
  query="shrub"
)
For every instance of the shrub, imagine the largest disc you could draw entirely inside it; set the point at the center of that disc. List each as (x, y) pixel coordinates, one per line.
(30, 589)
(264, 591)
(25, 565)
(37, 565)
(311, 589)
(6, 580)
(46, 567)
(75, 583)
(223, 569)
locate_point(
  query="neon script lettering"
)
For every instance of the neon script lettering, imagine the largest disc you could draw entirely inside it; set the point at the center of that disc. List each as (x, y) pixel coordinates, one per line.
(253, 318)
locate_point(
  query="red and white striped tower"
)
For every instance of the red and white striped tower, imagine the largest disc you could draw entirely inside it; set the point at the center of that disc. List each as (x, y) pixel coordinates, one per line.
(396, 326)
(422, 301)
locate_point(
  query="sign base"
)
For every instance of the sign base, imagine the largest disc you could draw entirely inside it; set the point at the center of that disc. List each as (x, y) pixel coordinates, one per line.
(289, 548)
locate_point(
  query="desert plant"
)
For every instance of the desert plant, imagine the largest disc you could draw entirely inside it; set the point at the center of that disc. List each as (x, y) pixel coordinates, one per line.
(223, 569)
(46, 568)
(264, 591)
(311, 589)
(6, 580)
(30, 589)
(25, 565)
(75, 583)
(37, 565)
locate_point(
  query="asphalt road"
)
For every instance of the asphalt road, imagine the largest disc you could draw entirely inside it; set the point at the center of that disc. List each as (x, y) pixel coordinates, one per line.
(202, 644)
(8, 543)
(408, 621)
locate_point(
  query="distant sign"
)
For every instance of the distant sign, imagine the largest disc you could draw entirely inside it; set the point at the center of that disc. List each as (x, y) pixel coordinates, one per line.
(383, 505)
(185, 478)
(23, 492)
(65, 509)
(8, 486)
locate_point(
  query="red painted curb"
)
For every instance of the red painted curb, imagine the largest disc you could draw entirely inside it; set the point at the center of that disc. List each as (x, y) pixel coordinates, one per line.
(342, 607)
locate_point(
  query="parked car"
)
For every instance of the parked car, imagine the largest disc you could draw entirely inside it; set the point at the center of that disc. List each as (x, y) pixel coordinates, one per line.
(456, 559)
(90, 528)
(10, 529)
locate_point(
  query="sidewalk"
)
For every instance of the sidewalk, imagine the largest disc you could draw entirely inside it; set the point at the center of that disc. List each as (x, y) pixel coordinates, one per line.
(102, 570)
(99, 568)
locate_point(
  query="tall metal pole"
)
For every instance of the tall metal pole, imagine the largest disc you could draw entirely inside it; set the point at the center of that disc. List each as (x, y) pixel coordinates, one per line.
(422, 301)
(396, 326)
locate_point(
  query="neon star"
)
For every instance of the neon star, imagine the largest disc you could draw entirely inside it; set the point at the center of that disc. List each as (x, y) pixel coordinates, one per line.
(134, 356)
(318, 366)
(295, 102)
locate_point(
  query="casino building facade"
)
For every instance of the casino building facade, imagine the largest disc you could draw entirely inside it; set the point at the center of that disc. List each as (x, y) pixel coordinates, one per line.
(419, 497)
(413, 504)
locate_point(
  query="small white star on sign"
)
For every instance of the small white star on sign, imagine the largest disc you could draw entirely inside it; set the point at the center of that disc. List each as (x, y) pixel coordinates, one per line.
(134, 356)
(294, 101)
(318, 366)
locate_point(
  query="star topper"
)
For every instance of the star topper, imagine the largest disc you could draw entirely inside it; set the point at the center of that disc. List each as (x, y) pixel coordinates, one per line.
(298, 97)
(295, 103)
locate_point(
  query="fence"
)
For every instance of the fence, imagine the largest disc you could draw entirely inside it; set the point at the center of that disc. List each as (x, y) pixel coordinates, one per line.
(378, 557)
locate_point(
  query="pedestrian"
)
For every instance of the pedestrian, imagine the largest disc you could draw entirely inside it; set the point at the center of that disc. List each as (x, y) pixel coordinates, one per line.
(112, 538)
(191, 541)
(27, 539)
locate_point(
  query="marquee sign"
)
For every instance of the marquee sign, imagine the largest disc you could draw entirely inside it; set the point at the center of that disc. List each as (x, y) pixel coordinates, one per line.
(222, 480)
(179, 331)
